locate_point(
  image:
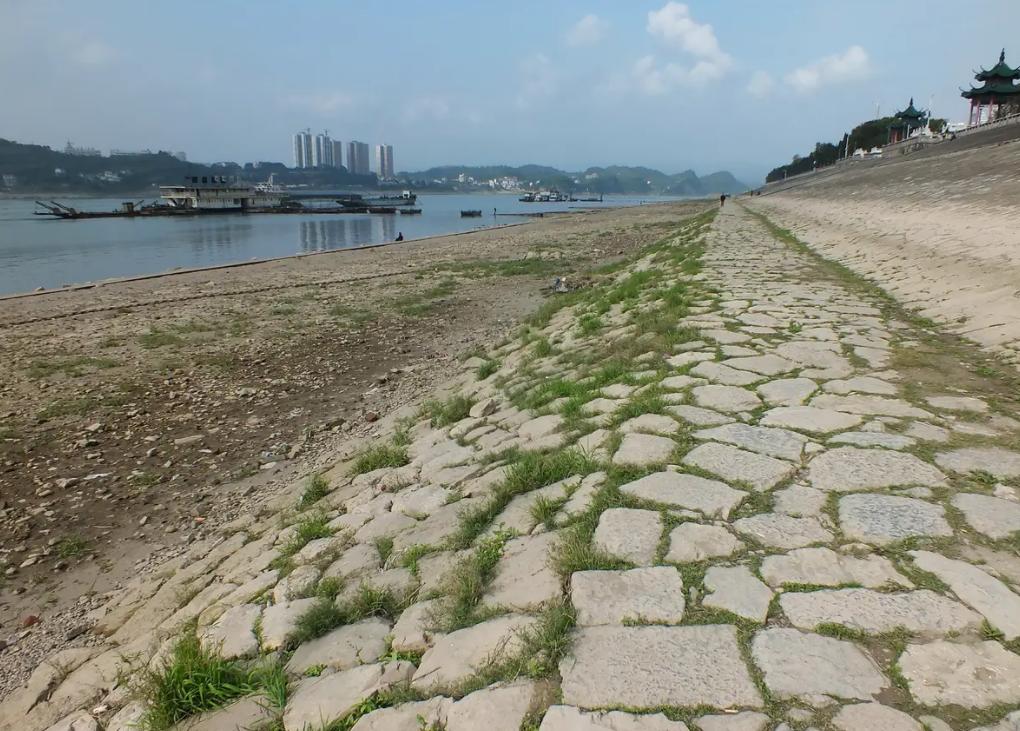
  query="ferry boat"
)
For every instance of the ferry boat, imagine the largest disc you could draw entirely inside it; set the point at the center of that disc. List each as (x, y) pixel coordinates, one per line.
(215, 194)
(407, 198)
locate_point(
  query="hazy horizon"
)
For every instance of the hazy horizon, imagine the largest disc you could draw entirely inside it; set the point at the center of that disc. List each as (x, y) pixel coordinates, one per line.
(703, 86)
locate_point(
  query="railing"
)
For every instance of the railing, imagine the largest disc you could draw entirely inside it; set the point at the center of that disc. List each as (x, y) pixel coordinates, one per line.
(1000, 122)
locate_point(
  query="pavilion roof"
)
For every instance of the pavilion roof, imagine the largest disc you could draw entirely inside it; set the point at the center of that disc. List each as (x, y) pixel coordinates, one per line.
(1000, 71)
(910, 113)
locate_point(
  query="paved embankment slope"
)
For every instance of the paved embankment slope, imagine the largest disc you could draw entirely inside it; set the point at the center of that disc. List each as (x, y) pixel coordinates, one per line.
(717, 491)
(940, 230)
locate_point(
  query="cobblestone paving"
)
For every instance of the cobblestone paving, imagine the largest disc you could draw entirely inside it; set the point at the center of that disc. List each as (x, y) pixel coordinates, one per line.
(696, 496)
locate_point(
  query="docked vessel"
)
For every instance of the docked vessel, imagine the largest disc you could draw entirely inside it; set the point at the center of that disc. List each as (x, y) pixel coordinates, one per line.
(544, 196)
(407, 198)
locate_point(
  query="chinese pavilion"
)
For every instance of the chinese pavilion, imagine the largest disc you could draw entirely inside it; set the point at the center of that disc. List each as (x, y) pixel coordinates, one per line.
(997, 96)
(906, 122)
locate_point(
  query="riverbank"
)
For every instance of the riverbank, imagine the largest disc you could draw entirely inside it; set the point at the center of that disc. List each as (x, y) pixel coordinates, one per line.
(136, 416)
(940, 232)
(727, 484)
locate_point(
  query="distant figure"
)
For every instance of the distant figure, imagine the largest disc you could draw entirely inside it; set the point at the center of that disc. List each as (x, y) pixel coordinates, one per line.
(722, 200)
(400, 236)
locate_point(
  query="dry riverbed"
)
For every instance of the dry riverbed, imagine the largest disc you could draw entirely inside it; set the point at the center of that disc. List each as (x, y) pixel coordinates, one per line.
(136, 416)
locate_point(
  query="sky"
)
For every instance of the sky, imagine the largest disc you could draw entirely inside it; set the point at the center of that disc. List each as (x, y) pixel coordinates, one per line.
(739, 85)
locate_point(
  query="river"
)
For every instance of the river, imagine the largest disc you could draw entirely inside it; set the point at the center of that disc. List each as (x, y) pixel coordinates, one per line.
(39, 252)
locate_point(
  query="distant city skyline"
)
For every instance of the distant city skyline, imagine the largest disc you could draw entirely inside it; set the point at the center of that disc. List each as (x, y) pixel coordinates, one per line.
(702, 85)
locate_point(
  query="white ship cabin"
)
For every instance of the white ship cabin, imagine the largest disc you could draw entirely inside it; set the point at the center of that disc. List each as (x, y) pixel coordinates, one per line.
(217, 192)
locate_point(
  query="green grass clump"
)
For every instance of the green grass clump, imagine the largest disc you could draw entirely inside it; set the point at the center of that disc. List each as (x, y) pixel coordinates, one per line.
(379, 456)
(72, 547)
(73, 366)
(326, 614)
(309, 529)
(486, 369)
(528, 471)
(589, 324)
(450, 411)
(317, 488)
(157, 338)
(466, 584)
(193, 680)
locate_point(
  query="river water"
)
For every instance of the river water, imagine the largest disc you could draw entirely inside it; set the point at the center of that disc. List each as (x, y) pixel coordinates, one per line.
(39, 252)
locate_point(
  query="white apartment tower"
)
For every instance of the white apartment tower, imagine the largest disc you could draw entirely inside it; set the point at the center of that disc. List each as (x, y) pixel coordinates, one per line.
(357, 158)
(299, 150)
(338, 153)
(322, 152)
(384, 161)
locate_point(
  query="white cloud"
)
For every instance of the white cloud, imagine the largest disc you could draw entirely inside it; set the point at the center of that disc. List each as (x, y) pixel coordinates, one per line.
(588, 31)
(321, 102)
(761, 84)
(852, 65)
(674, 25)
(539, 80)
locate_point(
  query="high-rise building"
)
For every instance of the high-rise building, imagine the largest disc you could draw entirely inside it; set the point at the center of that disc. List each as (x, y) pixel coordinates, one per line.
(357, 158)
(303, 157)
(384, 161)
(306, 146)
(338, 153)
(322, 151)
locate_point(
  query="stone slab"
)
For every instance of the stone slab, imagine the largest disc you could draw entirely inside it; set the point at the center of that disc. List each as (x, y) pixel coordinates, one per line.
(800, 665)
(735, 589)
(874, 612)
(992, 516)
(976, 675)
(459, 655)
(650, 667)
(343, 648)
(848, 469)
(710, 497)
(692, 542)
(783, 531)
(524, 578)
(809, 419)
(825, 567)
(761, 439)
(1002, 463)
(884, 519)
(568, 718)
(644, 595)
(630, 535)
(996, 602)
(737, 465)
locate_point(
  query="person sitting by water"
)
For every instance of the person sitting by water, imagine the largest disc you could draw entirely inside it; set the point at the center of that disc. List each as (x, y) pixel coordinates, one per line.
(400, 236)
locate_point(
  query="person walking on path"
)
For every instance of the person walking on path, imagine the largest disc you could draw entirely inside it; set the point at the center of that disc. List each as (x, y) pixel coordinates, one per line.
(722, 200)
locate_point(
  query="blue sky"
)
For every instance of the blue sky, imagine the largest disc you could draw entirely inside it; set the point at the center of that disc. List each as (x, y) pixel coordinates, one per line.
(736, 84)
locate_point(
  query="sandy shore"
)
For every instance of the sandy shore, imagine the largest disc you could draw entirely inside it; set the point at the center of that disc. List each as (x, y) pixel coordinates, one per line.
(136, 416)
(941, 233)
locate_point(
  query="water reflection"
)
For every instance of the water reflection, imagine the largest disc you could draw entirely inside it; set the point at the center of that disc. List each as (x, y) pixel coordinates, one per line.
(323, 234)
(221, 235)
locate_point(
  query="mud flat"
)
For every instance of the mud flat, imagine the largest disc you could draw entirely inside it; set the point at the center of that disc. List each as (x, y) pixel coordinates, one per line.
(941, 232)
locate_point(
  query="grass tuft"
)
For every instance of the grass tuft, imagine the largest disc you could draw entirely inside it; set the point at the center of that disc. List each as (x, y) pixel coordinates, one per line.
(379, 456)
(317, 488)
(444, 413)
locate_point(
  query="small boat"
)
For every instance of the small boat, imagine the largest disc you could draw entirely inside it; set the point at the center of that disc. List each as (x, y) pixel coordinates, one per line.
(410, 211)
(470, 214)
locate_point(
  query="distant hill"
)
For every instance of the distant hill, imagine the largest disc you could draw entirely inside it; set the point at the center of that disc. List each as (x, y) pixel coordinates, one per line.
(613, 179)
(28, 169)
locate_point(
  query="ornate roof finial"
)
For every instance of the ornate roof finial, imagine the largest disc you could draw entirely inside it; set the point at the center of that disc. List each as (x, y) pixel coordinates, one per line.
(911, 102)
(1002, 56)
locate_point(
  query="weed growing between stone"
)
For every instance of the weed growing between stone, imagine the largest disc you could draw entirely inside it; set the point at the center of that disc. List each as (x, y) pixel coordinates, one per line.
(193, 680)
(379, 456)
